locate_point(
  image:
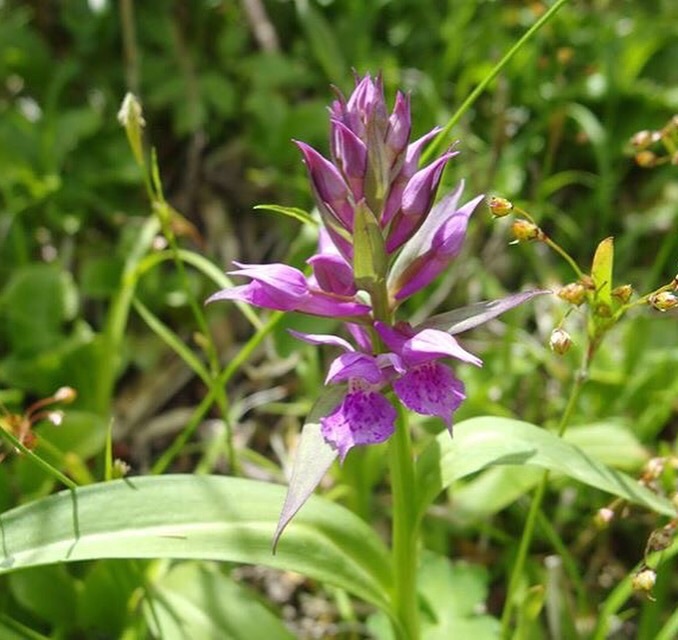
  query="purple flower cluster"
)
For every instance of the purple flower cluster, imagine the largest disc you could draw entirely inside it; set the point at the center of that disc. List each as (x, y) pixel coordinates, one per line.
(382, 240)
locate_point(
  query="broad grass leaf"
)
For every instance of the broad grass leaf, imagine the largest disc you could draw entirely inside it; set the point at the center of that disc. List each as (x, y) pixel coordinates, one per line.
(484, 442)
(197, 517)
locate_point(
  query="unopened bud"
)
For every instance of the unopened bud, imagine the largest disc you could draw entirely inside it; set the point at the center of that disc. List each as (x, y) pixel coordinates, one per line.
(604, 517)
(646, 158)
(499, 207)
(674, 159)
(623, 293)
(644, 580)
(131, 118)
(65, 395)
(664, 300)
(524, 230)
(654, 467)
(674, 500)
(560, 341)
(574, 293)
(644, 139)
(55, 417)
(120, 469)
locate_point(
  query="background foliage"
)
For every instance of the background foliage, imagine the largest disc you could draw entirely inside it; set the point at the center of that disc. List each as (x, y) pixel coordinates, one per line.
(224, 92)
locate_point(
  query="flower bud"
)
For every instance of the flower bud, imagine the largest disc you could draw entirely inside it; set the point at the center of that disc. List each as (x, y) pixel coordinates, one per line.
(644, 139)
(644, 580)
(499, 207)
(55, 417)
(524, 230)
(560, 341)
(623, 293)
(664, 300)
(120, 469)
(574, 293)
(674, 159)
(604, 517)
(646, 159)
(131, 118)
(65, 395)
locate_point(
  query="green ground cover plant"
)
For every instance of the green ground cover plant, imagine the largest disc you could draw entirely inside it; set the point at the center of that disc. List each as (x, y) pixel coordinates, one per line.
(320, 456)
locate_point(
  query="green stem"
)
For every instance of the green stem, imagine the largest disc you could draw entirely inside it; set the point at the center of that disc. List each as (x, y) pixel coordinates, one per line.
(405, 531)
(535, 506)
(473, 96)
(36, 459)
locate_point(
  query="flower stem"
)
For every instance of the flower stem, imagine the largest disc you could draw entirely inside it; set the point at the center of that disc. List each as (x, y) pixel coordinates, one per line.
(405, 536)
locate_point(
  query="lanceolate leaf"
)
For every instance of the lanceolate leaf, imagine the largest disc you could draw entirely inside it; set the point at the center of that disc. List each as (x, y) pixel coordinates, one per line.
(465, 318)
(313, 458)
(197, 517)
(479, 443)
(601, 271)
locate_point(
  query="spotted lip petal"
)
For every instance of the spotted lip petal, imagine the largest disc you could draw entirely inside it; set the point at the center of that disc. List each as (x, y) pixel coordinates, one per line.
(363, 417)
(431, 389)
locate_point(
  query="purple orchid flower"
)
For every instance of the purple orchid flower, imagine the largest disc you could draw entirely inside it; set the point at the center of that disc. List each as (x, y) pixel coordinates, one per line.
(373, 197)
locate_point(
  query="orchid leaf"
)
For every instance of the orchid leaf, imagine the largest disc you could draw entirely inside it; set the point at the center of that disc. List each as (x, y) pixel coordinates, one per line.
(473, 315)
(197, 517)
(291, 212)
(601, 272)
(313, 458)
(484, 442)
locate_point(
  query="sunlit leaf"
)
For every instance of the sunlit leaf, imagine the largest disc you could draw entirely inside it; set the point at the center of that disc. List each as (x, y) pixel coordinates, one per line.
(197, 517)
(479, 443)
(601, 271)
(291, 212)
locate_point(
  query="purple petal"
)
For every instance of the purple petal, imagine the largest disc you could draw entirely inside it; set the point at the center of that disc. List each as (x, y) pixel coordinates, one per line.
(394, 337)
(399, 126)
(259, 295)
(333, 274)
(328, 185)
(443, 247)
(350, 155)
(354, 365)
(318, 303)
(363, 417)
(361, 336)
(430, 344)
(431, 389)
(416, 203)
(277, 276)
(319, 338)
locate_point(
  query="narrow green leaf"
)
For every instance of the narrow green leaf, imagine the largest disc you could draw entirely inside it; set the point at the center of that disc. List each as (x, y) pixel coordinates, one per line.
(197, 517)
(313, 458)
(292, 212)
(601, 271)
(479, 443)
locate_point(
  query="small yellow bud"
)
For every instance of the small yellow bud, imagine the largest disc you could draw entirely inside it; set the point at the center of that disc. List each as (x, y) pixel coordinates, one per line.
(499, 207)
(646, 159)
(674, 500)
(674, 159)
(524, 230)
(574, 293)
(644, 580)
(664, 300)
(623, 293)
(65, 395)
(560, 341)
